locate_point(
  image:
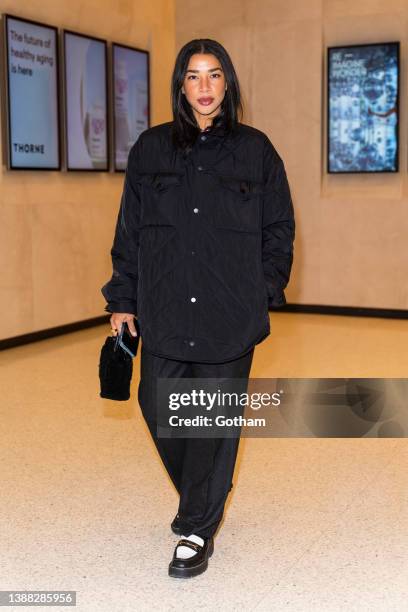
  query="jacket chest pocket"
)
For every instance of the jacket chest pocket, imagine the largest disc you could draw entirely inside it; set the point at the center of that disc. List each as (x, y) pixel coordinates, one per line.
(160, 194)
(238, 204)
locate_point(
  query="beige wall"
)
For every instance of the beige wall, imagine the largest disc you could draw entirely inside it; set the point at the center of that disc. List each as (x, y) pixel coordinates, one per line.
(351, 243)
(57, 227)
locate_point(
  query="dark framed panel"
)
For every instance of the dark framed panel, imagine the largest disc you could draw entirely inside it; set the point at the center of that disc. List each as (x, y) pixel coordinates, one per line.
(86, 102)
(32, 94)
(363, 83)
(130, 99)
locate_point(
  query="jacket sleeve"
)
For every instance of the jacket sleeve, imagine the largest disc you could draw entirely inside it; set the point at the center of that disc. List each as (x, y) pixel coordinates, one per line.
(121, 290)
(278, 227)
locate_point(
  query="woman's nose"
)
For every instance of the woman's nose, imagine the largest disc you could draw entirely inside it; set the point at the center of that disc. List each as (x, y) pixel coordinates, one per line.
(204, 84)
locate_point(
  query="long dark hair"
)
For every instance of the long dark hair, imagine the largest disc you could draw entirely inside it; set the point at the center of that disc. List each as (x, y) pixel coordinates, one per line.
(185, 127)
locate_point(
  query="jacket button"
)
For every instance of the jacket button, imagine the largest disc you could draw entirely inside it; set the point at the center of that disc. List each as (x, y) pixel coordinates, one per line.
(203, 137)
(199, 167)
(193, 252)
(193, 299)
(195, 210)
(191, 343)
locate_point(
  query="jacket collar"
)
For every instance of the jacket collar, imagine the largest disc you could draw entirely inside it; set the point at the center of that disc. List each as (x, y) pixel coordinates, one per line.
(217, 129)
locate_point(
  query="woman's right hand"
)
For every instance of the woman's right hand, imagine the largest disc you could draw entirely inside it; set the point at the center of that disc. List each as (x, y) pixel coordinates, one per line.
(118, 318)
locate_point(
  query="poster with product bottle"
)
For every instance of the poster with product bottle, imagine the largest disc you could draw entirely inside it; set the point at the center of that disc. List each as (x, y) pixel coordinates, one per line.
(86, 102)
(131, 101)
(31, 56)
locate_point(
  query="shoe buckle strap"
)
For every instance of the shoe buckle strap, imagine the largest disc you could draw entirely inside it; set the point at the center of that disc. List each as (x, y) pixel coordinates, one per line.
(190, 544)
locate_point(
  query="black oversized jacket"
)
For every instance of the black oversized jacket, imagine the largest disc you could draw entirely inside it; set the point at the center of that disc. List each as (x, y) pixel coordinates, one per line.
(203, 243)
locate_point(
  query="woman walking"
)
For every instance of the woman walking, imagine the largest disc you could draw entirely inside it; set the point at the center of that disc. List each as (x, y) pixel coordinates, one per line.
(203, 246)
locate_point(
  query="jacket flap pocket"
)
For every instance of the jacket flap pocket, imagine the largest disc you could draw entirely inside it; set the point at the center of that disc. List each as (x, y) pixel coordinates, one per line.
(244, 187)
(161, 180)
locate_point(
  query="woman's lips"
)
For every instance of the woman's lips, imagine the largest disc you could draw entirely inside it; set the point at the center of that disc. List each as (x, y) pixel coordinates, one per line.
(205, 101)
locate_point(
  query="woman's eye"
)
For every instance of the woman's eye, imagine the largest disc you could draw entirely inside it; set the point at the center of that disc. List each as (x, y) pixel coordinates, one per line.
(194, 76)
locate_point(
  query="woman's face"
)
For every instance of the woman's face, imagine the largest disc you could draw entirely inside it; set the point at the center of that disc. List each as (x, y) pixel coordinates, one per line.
(204, 85)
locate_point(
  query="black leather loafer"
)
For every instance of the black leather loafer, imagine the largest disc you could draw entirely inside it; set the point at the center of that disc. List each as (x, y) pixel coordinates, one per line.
(195, 565)
(175, 527)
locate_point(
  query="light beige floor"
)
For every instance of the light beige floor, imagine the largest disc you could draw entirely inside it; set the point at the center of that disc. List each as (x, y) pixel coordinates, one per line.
(312, 524)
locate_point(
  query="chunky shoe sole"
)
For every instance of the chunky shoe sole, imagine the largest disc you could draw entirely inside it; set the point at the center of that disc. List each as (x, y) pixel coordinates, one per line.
(190, 572)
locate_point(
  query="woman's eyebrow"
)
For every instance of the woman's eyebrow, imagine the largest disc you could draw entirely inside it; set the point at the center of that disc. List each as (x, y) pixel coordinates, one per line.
(209, 70)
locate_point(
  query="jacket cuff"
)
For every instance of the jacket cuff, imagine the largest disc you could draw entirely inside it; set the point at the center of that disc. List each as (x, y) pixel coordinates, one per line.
(121, 307)
(277, 299)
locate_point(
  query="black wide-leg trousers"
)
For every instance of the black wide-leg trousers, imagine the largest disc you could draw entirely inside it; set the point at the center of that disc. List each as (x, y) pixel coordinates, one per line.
(201, 469)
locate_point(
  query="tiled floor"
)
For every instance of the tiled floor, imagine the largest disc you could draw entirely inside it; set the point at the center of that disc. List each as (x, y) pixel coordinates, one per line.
(311, 524)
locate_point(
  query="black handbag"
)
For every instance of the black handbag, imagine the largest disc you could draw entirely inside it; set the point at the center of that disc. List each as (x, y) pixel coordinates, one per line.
(116, 364)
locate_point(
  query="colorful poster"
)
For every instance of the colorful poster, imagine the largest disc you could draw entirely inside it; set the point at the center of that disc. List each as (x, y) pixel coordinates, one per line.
(86, 102)
(32, 88)
(130, 99)
(363, 99)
